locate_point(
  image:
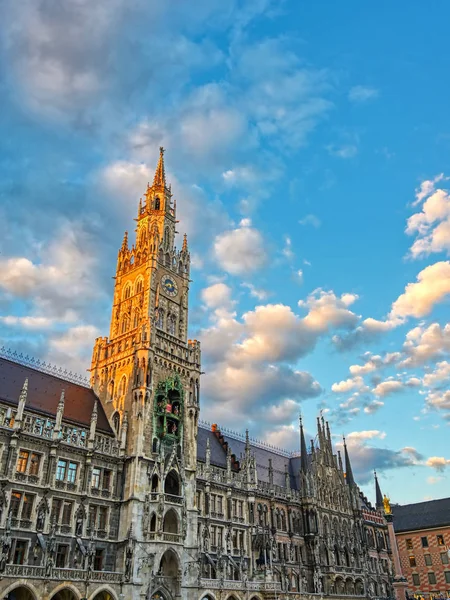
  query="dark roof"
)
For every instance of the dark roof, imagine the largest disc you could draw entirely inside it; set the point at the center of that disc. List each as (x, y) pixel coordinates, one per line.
(262, 456)
(218, 455)
(44, 392)
(423, 515)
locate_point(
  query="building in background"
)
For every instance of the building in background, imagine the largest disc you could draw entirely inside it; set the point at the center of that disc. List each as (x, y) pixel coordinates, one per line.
(115, 489)
(422, 531)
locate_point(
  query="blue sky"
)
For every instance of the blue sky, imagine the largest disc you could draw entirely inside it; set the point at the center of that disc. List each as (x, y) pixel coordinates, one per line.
(308, 147)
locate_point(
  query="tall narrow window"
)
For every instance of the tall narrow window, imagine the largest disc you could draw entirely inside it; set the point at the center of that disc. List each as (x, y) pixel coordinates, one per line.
(95, 482)
(22, 461)
(62, 552)
(27, 507)
(72, 472)
(14, 508)
(19, 552)
(61, 470)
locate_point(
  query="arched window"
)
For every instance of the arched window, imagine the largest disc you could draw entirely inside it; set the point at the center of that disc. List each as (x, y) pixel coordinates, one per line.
(160, 319)
(139, 286)
(122, 386)
(167, 259)
(136, 318)
(116, 422)
(171, 324)
(153, 522)
(127, 291)
(170, 524)
(155, 483)
(157, 203)
(125, 323)
(172, 484)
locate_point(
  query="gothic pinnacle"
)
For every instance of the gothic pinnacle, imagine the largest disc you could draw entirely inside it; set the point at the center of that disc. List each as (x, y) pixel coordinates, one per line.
(125, 241)
(160, 175)
(185, 244)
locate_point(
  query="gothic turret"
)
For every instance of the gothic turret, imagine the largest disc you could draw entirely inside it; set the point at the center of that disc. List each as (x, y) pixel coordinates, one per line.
(348, 467)
(378, 494)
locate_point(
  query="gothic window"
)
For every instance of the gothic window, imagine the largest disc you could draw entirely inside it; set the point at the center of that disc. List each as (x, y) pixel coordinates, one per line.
(122, 386)
(111, 389)
(116, 422)
(127, 291)
(125, 323)
(171, 324)
(139, 286)
(160, 319)
(136, 319)
(167, 259)
(155, 483)
(172, 484)
(283, 520)
(157, 204)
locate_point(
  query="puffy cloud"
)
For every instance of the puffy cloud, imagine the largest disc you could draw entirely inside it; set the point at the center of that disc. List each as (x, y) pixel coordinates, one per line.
(63, 283)
(362, 93)
(423, 344)
(326, 310)
(354, 383)
(439, 400)
(432, 226)
(388, 387)
(28, 322)
(438, 376)
(438, 462)
(426, 188)
(393, 386)
(240, 251)
(218, 296)
(374, 363)
(240, 393)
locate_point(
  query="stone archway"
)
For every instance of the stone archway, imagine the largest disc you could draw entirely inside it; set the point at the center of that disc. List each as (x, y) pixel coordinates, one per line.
(103, 595)
(65, 594)
(20, 593)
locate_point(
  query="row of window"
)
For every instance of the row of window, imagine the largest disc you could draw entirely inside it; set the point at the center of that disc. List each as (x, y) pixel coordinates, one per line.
(29, 463)
(22, 504)
(424, 541)
(139, 286)
(431, 578)
(19, 548)
(216, 505)
(428, 559)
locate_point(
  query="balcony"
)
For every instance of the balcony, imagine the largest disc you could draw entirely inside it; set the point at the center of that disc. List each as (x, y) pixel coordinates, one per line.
(172, 537)
(38, 572)
(229, 584)
(173, 499)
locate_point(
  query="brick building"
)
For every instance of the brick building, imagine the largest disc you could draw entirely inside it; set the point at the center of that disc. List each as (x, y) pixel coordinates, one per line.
(423, 537)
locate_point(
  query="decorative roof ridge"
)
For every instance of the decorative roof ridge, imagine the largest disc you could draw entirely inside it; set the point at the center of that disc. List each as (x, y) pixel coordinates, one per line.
(236, 435)
(43, 367)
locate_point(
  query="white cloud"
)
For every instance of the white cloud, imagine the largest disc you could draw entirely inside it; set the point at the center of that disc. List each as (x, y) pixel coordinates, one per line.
(423, 344)
(311, 220)
(287, 250)
(431, 225)
(366, 435)
(28, 322)
(73, 347)
(426, 188)
(354, 383)
(362, 93)
(438, 462)
(440, 374)
(388, 387)
(255, 292)
(299, 276)
(240, 251)
(373, 407)
(218, 296)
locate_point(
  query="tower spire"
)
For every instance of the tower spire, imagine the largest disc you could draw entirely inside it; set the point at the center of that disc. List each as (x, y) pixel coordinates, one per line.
(160, 175)
(348, 467)
(185, 243)
(303, 451)
(378, 494)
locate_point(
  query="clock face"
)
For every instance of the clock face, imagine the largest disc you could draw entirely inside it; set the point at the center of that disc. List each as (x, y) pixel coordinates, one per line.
(169, 286)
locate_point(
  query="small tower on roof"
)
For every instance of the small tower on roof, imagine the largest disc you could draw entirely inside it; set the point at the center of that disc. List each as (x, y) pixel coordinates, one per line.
(378, 495)
(348, 467)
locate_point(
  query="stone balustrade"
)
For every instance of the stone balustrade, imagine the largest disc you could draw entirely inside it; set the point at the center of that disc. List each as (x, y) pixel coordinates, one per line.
(37, 572)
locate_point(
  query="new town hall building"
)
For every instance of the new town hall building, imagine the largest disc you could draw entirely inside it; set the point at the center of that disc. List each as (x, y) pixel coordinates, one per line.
(115, 490)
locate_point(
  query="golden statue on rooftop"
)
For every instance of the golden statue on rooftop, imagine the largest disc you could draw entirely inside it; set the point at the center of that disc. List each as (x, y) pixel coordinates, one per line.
(387, 505)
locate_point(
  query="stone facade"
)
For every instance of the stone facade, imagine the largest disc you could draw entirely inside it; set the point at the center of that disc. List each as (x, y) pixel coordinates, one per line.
(122, 493)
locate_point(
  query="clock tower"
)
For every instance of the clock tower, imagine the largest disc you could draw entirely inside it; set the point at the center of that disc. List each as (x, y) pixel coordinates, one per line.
(146, 374)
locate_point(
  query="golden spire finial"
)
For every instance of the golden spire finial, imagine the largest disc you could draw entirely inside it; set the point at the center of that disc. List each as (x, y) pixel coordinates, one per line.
(160, 175)
(185, 244)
